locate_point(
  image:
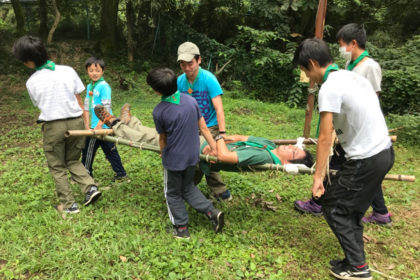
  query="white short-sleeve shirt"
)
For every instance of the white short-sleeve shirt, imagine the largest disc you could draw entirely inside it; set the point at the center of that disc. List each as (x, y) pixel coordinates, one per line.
(371, 70)
(357, 117)
(54, 93)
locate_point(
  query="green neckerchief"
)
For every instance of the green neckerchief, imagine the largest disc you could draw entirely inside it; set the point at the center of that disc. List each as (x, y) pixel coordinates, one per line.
(353, 64)
(191, 86)
(92, 87)
(332, 67)
(47, 65)
(174, 98)
(276, 160)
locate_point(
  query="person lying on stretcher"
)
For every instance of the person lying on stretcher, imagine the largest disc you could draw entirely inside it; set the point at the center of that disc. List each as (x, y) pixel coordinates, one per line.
(238, 152)
(235, 152)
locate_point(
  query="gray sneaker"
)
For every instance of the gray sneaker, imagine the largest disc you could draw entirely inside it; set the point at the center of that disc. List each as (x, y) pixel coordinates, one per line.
(73, 209)
(91, 195)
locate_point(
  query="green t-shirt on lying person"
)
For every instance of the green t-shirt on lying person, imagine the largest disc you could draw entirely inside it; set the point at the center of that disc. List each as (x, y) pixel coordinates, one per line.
(247, 155)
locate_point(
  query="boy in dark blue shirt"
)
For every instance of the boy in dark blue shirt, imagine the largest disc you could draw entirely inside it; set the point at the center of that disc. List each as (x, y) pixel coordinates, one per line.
(176, 118)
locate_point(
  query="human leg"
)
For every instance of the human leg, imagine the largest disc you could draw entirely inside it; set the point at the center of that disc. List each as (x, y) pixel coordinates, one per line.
(73, 148)
(111, 153)
(54, 150)
(89, 152)
(194, 197)
(348, 198)
(136, 132)
(177, 211)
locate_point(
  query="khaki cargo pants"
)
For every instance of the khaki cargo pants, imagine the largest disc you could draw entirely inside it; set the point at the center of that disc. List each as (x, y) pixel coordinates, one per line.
(63, 154)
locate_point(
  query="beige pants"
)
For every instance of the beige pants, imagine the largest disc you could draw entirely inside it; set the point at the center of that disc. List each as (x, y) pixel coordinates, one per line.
(63, 154)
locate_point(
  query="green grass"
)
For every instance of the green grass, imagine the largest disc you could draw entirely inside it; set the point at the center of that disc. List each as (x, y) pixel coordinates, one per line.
(127, 233)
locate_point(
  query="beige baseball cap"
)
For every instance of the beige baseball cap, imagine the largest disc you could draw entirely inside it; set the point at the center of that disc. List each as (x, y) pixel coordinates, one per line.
(187, 51)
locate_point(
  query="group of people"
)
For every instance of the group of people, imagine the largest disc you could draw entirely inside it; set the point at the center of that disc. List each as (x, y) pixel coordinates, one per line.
(190, 120)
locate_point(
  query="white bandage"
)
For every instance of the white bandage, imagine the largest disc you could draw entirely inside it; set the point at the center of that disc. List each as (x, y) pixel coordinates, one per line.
(291, 168)
(299, 143)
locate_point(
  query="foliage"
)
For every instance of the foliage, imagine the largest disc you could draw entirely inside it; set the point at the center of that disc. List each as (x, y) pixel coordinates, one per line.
(407, 127)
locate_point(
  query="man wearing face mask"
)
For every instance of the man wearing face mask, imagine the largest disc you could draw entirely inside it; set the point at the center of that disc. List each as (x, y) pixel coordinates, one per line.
(352, 40)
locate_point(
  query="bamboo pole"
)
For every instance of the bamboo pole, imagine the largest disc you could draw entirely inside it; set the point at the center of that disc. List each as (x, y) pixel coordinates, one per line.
(268, 166)
(144, 146)
(310, 141)
(86, 132)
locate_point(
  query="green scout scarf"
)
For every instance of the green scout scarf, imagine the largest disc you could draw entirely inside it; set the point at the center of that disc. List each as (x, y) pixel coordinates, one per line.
(92, 86)
(332, 67)
(357, 60)
(174, 98)
(276, 160)
(191, 86)
(47, 65)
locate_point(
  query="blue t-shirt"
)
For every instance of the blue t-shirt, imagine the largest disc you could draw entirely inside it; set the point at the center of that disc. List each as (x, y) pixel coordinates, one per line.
(205, 89)
(101, 95)
(180, 123)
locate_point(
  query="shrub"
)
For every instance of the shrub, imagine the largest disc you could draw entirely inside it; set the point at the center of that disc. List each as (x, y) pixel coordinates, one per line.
(408, 127)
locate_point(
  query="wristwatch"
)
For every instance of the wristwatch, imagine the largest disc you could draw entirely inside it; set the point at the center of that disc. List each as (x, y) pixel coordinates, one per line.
(222, 132)
(218, 137)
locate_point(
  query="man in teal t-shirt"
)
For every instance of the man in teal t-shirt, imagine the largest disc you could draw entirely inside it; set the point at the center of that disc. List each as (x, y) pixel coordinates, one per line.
(204, 87)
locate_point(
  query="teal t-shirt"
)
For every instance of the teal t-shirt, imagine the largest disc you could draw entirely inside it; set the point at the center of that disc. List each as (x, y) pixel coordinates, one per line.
(101, 95)
(247, 156)
(205, 88)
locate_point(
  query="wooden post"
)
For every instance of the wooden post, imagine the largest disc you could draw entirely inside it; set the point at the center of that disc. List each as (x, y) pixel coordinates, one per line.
(319, 31)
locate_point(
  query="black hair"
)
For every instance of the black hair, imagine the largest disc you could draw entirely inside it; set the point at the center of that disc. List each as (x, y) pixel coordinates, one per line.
(96, 61)
(352, 31)
(30, 48)
(197, 56)
(312, 49)
(307, 160)
(162, 80)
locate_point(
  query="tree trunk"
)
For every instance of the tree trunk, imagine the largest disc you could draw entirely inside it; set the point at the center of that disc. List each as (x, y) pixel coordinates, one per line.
(130, 27)
(109, 13)
(55, 24)
(43, 29)
(20, 18)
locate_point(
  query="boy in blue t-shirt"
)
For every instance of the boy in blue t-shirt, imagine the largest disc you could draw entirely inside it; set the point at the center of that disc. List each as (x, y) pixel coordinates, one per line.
(99, 93)
(176, 118)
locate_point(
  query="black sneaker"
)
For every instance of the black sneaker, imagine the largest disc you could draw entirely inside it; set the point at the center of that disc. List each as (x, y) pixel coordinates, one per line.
(349, 272)
(181, 232)
(217, 219)
(92, 195)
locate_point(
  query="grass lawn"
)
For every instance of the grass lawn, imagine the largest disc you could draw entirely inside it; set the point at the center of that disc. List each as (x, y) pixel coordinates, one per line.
(127, 233)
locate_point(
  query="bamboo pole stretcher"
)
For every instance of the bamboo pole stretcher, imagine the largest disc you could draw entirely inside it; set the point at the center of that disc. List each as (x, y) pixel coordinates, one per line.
(309, 141)
(109, 131)
(294, 169)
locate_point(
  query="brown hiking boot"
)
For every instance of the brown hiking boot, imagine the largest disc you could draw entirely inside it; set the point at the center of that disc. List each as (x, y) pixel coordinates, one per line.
(104, 115)
(125, 115)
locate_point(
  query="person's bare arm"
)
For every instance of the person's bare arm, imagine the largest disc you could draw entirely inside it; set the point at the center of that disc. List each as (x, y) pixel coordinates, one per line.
(85, 114)
(207, 135)
(218, 107)
(162, 141)
(223, 154)
(322, 153)
(235, 138)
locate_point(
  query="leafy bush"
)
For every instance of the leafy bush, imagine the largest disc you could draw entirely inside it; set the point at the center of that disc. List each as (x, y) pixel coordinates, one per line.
(408, 127)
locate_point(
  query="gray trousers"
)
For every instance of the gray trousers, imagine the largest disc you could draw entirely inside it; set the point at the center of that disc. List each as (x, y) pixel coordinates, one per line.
(137, 132)
(179, 187)
(63, 154)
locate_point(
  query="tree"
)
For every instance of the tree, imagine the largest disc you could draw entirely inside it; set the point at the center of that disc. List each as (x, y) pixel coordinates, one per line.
(130, 27)
(43, 29)
(20, 19)
(56, 22)
(108, 33)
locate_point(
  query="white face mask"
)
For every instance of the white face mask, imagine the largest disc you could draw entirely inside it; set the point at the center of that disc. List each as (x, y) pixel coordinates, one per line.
(344, 54)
